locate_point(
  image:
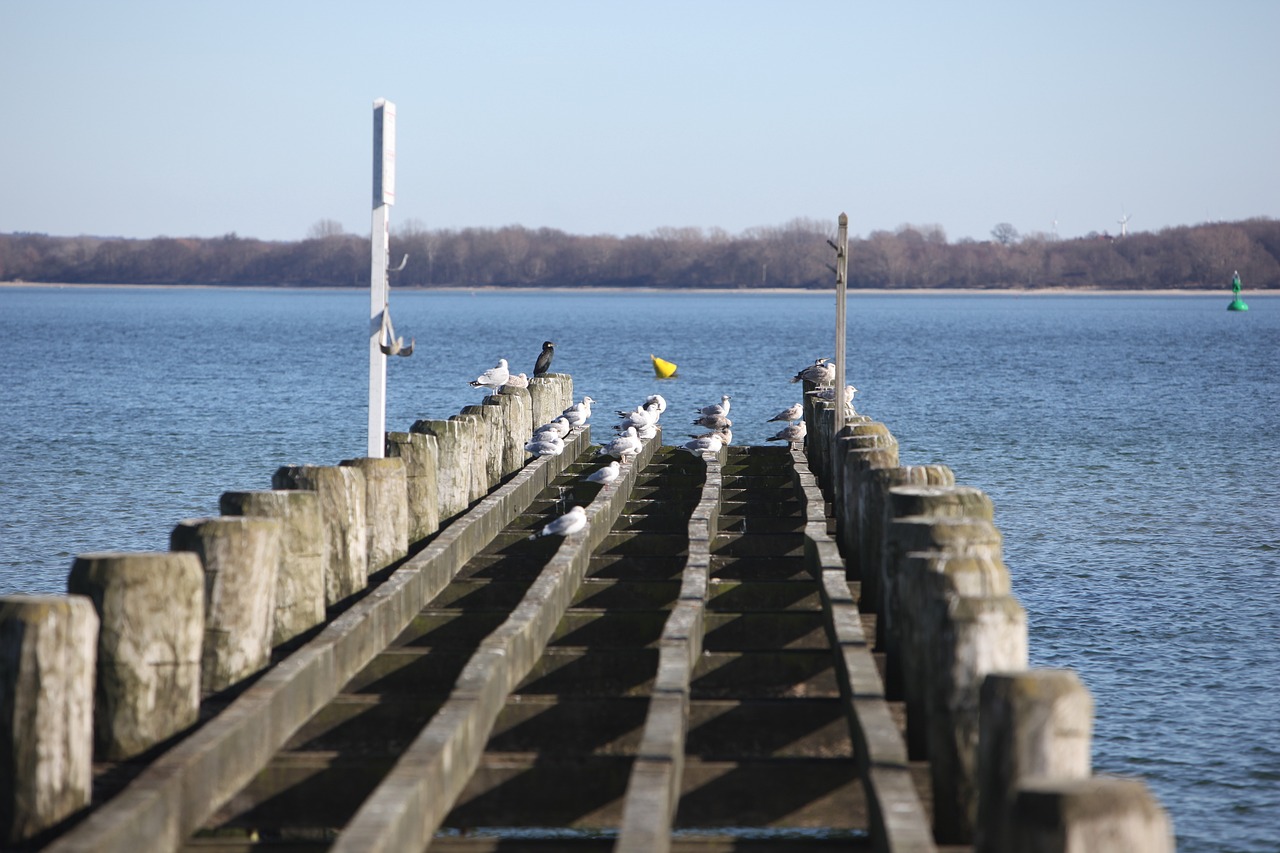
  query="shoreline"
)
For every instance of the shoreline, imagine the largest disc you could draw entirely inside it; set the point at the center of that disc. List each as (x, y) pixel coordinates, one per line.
(701, 291)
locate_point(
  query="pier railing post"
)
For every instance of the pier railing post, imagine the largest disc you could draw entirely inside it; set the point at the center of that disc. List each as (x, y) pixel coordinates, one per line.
(421, 464)
(341, 494)
(386, 509)
(47, 649)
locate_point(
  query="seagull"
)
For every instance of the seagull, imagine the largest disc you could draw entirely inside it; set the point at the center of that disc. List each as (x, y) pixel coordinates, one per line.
(559, 426)
(725, 435)
(829, 394)
(722, 408)
(494, 377)
(710, 443)
(571, 522)
(639, 417)
(821, 372)
(792, 432)
(656, 400)
(579, 414)
(794, 413)
(713, 421)
(519, 380)
(605, 475)
(546, 444)
(627, 444)
(543, 364)
(647, 431)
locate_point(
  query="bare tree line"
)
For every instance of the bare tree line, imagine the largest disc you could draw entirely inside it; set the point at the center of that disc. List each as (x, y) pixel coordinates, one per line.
(794, 255)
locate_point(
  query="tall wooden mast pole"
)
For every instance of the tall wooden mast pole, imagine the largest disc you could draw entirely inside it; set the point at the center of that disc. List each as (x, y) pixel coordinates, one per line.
(842, 275)
(384, 195)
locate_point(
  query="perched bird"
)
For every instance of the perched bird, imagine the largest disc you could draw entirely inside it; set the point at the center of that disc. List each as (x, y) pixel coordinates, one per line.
(605, 475)
(647, 431)
(627, 444)
(792, 432)
(696, 446)
(713, 421)
(519, 380)
(545, 444)
(821, 372)
(559, 426)
(829, 394)
(794, 413)
(494, 377)
(639, 417)
(543, 364)
(656, 400)
(725, 435)
(721, 408)
(580, 413)
(571, 522)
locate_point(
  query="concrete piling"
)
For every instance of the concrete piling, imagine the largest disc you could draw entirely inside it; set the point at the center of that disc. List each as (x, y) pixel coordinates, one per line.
(515, 424)
(386, 502)
(1099, 815)
(300, 592)
(148, 684)
(241, 557)
(420, 456)
(1033, 725)
(488, 451)
(550, 395)
(47, 651)
(341, 494)
(455, 442)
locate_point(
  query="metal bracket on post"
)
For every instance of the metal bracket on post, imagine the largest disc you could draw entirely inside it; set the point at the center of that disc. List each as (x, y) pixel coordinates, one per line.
(842, 274)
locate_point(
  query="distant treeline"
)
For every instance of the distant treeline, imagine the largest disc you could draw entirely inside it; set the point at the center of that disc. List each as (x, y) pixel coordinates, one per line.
(795, 255)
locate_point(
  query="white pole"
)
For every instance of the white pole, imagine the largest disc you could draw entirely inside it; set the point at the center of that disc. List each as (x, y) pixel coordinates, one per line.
(384, 195)
(842, 275)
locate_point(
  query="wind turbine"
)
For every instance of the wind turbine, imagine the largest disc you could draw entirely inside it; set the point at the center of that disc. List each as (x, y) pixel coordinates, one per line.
(1124, 222)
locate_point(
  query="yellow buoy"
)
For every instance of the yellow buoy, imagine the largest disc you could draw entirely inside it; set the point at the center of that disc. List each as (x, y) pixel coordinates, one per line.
(662, 368)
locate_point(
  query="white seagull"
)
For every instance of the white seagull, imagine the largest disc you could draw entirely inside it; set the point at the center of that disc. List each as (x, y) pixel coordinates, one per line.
(794, 413)
(821, 372)
(579, 414)
(627, 444)
(546, 444)
(639, 417)
(696, 446)
(571, 522)
(494, 377)
(518, 380)
(829, 394)
(559, 426)
(791, 432)
(605, 475)
(721, 408)
(713, 422)
(656, 400)
(725, 435)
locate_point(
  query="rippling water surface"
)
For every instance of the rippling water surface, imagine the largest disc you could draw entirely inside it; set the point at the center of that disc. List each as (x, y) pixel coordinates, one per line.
(1130, 445)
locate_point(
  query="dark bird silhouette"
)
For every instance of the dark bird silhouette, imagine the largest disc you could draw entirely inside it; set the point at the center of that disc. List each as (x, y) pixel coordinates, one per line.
(543, 364)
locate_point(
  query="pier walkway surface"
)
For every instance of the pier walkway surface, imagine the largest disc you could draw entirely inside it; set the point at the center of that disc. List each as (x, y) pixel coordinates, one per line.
(676, 674)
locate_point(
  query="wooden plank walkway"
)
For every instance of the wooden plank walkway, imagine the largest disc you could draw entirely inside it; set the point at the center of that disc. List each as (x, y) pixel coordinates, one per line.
(690, 673)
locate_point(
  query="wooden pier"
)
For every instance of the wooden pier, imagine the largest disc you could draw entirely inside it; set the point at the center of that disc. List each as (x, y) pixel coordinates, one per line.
(699, 669)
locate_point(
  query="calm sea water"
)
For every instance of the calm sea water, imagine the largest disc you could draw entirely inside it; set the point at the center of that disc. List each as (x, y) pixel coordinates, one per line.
(1129, 443)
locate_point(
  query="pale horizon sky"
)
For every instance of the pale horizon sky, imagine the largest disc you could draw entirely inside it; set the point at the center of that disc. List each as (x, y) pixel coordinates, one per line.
(142, 119)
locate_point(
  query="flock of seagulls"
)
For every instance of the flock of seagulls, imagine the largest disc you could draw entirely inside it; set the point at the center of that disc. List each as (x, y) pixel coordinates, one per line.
(638, 425)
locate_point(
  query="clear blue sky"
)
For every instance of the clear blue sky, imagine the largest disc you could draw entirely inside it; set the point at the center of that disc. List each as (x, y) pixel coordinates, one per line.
(140, 119)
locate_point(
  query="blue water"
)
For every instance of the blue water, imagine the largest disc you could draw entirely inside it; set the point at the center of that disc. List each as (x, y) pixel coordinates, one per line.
(1129, 443)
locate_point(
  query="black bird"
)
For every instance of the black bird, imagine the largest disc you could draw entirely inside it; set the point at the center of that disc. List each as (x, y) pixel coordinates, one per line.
(543, 364)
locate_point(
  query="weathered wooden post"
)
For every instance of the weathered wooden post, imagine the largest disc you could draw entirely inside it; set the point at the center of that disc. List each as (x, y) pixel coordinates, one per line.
(47, 650)
(1100, 814)
(386, 504)
(300, 595)
(241, 557)
(1033, 725)
(455, 444)
(151, 607)
(341, 493)
(420, 456)
(384, 195)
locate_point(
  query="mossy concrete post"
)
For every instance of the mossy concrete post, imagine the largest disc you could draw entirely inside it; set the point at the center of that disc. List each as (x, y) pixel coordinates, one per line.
(476, 458)
(241, 557)
(420, 456)
(979, 636)
(516, 425)
(386, 509)
(341, 492)
(455, 445)
(47, 649)
(300, 593)
(550, 395)
(151, 610)
(1033, 725)
(1099, 815)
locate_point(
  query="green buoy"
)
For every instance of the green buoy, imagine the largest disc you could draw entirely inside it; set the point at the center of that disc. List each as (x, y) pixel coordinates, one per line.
(1237, 304)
